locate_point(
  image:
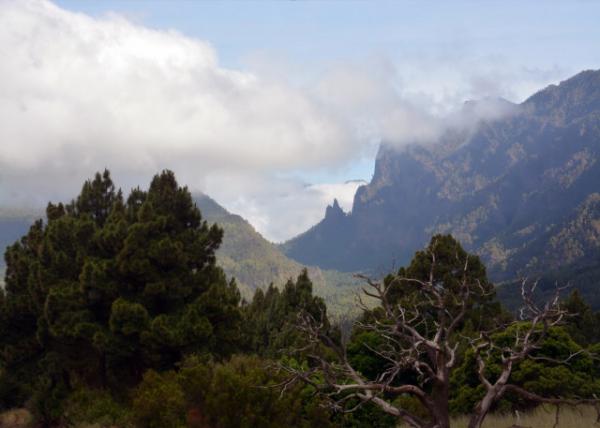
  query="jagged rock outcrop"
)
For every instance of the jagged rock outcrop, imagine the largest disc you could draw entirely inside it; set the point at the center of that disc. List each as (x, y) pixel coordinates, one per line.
(509, 188)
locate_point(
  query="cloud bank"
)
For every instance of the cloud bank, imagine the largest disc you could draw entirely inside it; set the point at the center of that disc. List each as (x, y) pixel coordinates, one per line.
(283, 208)
(77, 91)
(78, 94)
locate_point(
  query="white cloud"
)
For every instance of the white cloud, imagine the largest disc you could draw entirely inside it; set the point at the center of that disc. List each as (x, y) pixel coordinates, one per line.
(78, 94)
(282, 208)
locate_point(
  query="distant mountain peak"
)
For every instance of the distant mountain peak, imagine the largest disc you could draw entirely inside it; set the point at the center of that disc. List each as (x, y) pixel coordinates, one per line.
(508, 190)
(584, 75)
(209, 207)
(334, 210)
(570, 100)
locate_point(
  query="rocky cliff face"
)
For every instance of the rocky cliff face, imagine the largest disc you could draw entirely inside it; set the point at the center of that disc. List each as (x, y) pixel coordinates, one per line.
(519, 190)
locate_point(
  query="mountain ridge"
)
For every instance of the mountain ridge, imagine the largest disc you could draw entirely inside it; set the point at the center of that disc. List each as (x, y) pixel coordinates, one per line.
(244, 254)
(255, 262)
(498, 188)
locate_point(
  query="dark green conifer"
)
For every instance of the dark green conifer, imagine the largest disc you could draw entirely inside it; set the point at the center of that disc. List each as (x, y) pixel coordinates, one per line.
(108, 288)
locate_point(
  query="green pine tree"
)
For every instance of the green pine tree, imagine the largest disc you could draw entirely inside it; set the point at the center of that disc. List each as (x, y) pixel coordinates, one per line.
(106, 289)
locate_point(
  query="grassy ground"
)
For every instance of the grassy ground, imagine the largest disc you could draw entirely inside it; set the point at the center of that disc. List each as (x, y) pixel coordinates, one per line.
(18, 418)
(542, 417)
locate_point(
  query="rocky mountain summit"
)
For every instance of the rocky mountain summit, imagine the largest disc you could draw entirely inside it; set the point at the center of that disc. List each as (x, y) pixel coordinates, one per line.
(521, 189)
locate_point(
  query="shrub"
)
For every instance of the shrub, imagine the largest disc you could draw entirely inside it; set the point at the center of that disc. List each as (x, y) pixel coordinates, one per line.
(89, 406)
(242, 393)
(159, 401)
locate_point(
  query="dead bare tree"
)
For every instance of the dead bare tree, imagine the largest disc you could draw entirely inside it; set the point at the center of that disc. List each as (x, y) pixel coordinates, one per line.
(530, 331)
(421, 335)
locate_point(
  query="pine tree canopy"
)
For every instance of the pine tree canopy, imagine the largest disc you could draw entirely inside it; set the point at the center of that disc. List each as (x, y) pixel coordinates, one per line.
(107, 288)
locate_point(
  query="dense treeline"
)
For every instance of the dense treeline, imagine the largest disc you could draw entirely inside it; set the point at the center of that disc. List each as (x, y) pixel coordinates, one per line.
(114, 312)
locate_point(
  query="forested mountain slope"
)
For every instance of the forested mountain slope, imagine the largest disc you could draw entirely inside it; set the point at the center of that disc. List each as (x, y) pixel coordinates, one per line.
(255, 262)
(522, 191)
(244, 255)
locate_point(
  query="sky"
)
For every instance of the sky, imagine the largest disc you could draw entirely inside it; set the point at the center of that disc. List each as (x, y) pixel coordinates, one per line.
(272, 108)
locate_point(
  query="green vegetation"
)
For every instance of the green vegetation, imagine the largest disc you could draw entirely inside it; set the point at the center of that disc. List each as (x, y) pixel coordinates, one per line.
(582, 275)
(256, 263)
(116, 313)
(272, 316)
(108, 289)
(244, 255)
(543, 373)
(440, 344)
